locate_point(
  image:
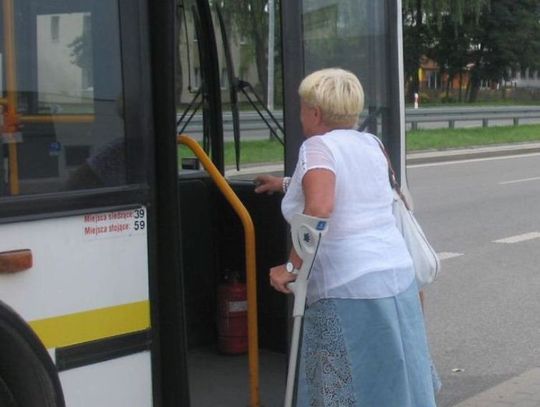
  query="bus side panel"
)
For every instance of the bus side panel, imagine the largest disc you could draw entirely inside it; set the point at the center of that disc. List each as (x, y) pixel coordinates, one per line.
(88, 284)
(80, 263)
(120, 382)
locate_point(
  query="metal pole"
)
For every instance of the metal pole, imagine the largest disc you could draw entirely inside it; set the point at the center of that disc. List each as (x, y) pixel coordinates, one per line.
(271, 46)
(10, 115)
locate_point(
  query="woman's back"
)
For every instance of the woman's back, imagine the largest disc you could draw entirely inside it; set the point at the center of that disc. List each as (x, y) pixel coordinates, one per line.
(363, 254)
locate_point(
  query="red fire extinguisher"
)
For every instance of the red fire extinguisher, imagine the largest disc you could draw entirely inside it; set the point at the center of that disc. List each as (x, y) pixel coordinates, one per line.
(232, 316)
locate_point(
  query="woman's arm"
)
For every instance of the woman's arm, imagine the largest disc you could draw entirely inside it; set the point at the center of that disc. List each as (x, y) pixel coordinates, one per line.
(318, 186)
(319, 192)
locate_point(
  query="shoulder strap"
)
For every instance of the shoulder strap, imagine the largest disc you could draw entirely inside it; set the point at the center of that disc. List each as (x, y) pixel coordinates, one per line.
(391, 172)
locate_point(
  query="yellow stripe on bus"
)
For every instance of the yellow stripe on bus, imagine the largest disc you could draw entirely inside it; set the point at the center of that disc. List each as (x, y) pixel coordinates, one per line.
(88, 326)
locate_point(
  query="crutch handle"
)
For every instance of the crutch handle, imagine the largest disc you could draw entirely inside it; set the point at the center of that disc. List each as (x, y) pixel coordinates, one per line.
(306, 232)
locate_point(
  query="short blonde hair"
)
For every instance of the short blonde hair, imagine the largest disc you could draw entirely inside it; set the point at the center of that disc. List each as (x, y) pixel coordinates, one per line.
(337, 92)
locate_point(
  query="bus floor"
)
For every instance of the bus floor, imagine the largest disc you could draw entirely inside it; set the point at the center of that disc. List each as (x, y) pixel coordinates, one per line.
(218, 380)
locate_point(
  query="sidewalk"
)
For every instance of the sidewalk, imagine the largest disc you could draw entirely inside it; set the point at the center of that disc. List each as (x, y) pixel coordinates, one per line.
(413, 158)
(520, 391)
(425, 157)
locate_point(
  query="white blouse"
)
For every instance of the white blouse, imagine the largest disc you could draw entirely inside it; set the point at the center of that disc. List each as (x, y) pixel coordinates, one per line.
(363, 255)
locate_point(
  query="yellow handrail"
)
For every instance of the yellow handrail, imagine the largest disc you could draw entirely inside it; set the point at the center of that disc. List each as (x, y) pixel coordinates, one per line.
(251, 279)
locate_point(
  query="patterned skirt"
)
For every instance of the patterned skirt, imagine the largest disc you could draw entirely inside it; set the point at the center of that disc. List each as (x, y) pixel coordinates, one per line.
(366, 353)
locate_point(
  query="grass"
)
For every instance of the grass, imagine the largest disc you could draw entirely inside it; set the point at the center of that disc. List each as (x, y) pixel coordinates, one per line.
(252, 151)
(441, 139)
(266, 151)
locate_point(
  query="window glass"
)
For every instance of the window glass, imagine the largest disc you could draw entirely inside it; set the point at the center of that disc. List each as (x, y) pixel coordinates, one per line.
(351, 34)
(62, 96)
(246, 34)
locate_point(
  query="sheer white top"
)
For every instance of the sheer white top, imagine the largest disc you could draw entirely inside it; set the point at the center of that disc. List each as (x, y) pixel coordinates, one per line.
(363, 255)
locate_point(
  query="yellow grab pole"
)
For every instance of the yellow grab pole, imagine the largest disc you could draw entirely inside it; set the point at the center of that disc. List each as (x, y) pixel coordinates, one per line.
(251, 278)
(10, 115)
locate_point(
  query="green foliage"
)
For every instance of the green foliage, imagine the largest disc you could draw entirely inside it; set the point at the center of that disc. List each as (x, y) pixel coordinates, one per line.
(484, 38)
(508, 36)
(440, 139)
(248, 19)
(422, 24)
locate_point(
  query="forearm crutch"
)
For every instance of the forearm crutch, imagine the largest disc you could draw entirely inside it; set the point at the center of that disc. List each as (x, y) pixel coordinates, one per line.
(306, 233)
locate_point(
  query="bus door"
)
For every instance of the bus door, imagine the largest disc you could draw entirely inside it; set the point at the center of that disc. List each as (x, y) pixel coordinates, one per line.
(77, 210)
(362, 36)
(215, 51)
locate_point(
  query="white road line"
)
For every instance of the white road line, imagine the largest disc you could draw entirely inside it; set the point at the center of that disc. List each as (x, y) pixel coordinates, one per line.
(473, 160)
(515, 181)
(519, 238)
(448, 255)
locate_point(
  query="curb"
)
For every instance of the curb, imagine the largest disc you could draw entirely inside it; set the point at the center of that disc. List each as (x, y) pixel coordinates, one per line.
(471, 153)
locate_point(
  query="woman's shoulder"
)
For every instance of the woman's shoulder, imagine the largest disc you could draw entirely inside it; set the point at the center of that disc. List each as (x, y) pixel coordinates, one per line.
(341, 137)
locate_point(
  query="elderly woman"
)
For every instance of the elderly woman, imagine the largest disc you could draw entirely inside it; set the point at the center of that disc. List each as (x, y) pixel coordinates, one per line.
(364, 341)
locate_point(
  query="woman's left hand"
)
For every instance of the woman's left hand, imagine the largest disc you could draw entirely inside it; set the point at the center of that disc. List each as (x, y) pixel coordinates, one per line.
(280, 277)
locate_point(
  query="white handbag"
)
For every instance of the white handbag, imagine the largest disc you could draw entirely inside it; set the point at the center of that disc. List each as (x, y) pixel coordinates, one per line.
(425, 260)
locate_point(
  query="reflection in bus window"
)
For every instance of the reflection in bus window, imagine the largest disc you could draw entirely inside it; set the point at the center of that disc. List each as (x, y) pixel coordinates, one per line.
(64, 63)
(353, 32)
(61, 96)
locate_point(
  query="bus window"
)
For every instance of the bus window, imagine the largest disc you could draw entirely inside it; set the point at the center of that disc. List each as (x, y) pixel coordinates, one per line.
(352, 32)
(248, 84)
(62, 104)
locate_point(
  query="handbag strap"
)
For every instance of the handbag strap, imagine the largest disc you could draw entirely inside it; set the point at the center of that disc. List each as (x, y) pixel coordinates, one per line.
(392, 174)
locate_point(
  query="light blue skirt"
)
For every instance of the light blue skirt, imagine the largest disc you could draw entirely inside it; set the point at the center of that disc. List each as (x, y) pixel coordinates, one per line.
(366, 353)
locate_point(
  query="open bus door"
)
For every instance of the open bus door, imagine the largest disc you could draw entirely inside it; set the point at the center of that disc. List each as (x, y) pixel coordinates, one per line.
(360, 35)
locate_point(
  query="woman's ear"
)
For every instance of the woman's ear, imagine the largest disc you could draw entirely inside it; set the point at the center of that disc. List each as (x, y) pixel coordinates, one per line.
(317, 115)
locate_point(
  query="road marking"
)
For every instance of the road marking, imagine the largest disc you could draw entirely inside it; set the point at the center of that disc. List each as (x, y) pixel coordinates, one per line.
(473, 160)
(515, 181)
(448, 255)
(519, 238)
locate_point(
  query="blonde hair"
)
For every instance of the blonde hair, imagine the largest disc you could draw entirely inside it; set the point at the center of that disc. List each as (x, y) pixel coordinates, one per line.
(337, 92)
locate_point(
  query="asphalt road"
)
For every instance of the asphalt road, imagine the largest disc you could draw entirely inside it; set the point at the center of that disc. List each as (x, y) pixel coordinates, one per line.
(483, 313)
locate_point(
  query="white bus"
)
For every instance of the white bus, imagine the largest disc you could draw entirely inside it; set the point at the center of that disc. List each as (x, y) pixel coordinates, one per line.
(89, 245)
(110, 257)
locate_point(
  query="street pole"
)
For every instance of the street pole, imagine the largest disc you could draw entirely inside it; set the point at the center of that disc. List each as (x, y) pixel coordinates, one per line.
(271, 45)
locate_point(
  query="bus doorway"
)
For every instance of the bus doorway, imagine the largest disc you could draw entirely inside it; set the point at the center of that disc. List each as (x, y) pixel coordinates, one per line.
(215, 67)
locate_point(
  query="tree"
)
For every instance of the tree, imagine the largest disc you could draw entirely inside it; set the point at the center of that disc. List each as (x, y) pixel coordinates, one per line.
(451, 50)
(508, 36)
(81, 49)
(250, 20)
(421, 21)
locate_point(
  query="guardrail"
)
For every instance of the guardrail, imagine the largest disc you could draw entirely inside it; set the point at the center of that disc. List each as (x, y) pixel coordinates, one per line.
(480, 114)
(449, 115)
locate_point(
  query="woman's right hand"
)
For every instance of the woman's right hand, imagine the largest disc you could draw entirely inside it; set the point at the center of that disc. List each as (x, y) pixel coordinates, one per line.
(280, 277)
(268, 184)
